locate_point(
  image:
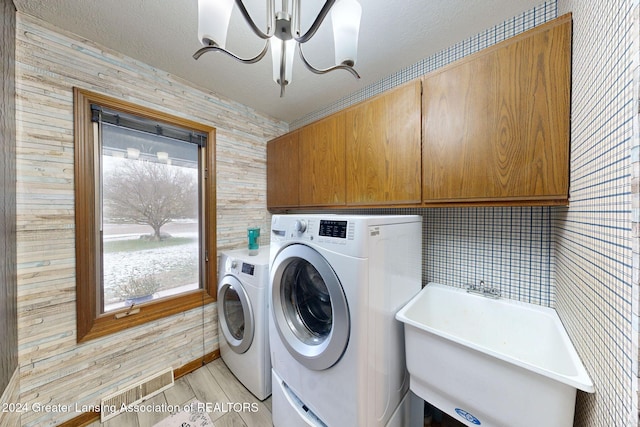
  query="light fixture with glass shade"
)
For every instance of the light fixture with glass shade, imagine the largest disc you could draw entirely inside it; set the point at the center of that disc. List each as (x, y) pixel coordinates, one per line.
(283, 34)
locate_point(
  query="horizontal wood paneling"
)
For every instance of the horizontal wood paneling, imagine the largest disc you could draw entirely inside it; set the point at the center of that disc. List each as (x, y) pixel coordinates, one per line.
(8, 285)
(11, 395)
(54, 368)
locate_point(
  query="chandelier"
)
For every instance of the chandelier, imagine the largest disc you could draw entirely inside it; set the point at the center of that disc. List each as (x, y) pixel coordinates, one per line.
(283, 34)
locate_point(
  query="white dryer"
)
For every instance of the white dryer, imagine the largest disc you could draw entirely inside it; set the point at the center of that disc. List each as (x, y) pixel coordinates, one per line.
(337, 350)
(243, 318)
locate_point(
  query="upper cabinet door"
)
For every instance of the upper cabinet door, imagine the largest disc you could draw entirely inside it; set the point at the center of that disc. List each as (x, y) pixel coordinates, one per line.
(322, 162)
(383, 148)
(496, 124)
(283, 170)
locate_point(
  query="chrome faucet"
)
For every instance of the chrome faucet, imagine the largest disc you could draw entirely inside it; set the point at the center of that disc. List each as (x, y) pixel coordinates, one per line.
(473, 288)
(484, 290)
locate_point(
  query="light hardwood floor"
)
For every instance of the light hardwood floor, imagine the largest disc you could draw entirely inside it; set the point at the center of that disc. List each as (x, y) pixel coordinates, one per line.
(213, 383)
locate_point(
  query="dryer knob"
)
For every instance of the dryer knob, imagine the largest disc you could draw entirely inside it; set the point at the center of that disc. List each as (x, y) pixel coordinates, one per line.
(234, 264)
(300, 225)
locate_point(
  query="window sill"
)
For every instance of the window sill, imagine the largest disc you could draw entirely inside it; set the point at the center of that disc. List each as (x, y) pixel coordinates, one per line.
(108, 323)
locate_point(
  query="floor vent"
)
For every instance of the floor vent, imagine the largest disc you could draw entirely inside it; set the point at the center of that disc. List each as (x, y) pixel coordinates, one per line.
(112, 405)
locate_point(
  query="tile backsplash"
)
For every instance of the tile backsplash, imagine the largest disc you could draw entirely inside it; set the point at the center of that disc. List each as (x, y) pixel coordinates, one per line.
(596, 246)
(509, 248)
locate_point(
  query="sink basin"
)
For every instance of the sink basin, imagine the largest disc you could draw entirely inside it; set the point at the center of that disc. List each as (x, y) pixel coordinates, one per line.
(491, 362)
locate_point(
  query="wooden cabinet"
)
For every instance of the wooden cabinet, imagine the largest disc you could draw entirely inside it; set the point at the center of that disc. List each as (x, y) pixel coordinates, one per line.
(495, 131)
(383, 148)
(496, 123)
(367, 155)
(306, 167)
(322, 162)
(283, 171)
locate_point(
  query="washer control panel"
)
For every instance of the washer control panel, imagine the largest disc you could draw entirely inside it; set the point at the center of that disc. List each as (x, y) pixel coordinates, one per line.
(314, 229)
(333, 228)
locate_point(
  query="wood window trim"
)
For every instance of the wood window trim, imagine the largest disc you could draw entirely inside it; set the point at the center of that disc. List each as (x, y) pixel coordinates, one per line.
(90, 324)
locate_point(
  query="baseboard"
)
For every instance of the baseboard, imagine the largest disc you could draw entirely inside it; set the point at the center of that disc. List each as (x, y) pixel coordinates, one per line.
(87, 418)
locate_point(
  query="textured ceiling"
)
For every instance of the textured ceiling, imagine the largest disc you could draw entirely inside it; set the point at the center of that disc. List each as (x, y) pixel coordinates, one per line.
(163, 34)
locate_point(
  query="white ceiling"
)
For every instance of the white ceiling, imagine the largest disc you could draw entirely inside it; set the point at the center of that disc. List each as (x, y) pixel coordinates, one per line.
(163, 34)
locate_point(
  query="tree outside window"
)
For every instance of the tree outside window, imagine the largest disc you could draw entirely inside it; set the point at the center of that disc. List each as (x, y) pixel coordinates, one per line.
(150, 223)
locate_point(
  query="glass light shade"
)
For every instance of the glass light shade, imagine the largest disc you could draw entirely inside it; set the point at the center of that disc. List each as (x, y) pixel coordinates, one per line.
(276, 54)
(213, 21)
(345, 15)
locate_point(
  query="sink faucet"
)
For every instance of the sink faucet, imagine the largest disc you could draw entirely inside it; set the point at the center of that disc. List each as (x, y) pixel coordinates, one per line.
(482, 289)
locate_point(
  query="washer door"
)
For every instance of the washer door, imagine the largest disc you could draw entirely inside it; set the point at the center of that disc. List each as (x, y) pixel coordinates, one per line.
(236, 317)
(309, 307)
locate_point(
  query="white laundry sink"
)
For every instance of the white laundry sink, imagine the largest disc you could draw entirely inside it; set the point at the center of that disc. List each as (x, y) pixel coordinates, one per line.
(491, 362)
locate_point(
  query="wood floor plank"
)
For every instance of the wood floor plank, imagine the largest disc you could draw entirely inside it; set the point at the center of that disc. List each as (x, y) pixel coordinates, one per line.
(258, 418)
(180, 393)
(232, 419)
(207, 390)
(235, 391)
(212, 384)
(126, 419)
(267, 403)
(149, 419)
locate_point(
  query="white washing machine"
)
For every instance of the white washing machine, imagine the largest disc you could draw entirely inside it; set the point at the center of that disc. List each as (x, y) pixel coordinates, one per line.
(243, 318)
(337, 350)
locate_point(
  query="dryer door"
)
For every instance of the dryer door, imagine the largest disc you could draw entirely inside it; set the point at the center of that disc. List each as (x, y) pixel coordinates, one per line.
(309, 307)
(235, 317)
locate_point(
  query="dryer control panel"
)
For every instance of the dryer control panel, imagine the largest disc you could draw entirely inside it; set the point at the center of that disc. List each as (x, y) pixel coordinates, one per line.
(248, 268)
(252, 269)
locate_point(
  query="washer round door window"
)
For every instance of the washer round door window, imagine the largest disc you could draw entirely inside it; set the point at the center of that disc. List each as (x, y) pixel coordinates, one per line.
(236, 319)
(310, 309)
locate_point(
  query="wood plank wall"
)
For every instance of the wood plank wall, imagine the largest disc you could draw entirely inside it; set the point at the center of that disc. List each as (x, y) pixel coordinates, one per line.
(8, 284)
(11, 409)
(53, 367)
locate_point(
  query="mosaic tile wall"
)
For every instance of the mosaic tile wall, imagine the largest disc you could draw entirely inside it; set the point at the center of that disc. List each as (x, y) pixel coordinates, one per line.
(582, 260)
(596, 247)
(510, 248)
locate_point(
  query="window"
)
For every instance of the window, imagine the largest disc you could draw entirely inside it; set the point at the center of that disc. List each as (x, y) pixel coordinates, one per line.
(145, 214)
